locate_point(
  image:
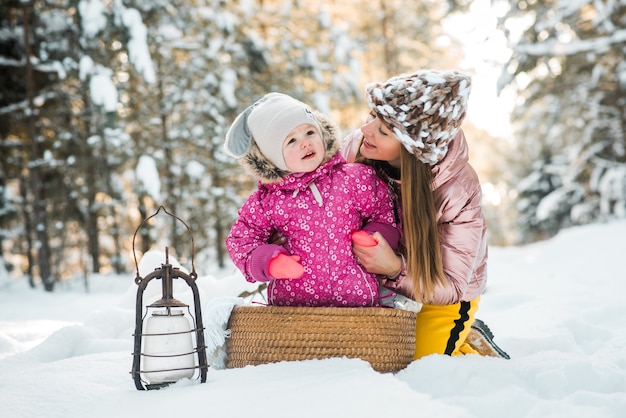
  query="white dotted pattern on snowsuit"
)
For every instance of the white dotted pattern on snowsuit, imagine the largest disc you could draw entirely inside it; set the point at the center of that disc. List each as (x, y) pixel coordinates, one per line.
(352, 195)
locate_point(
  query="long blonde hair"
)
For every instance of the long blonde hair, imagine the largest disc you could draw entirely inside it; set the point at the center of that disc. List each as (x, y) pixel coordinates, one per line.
(419, 222)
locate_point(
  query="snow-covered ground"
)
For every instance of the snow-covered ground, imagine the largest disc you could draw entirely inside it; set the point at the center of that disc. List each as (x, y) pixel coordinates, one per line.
(557, 307)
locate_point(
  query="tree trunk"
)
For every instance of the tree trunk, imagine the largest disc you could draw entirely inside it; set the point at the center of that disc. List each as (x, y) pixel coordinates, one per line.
(90, 166)
(170, 191)
(115, 234)
(28, 232)
(388, 40)
(144, 232)
(220, 235)
(36, 184)
(3, 210)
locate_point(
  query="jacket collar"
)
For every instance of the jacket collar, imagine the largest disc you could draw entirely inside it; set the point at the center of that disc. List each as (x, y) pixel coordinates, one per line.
(300, 181)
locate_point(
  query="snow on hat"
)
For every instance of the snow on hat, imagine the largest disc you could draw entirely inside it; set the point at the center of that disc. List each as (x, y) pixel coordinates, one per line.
(424, 109)
(268, 122)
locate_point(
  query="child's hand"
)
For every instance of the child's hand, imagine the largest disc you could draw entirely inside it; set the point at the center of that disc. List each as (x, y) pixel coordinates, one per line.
(363, 239)
(285, 267)
(277, 238)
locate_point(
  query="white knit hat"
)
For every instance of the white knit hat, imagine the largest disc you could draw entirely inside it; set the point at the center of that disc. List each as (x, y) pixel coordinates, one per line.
(424, 109)
(268, 122)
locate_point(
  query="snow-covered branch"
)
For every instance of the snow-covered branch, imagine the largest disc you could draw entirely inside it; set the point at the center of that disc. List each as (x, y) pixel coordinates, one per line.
(555, 48)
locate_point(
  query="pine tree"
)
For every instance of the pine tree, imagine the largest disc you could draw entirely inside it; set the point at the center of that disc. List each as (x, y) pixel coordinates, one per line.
(62, 122)
(568, 69)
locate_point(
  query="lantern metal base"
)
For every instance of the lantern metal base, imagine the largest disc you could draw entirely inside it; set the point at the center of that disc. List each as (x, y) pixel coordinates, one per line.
(158, 386)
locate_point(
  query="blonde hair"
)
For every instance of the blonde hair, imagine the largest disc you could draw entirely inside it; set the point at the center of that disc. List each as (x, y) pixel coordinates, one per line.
(419, 223)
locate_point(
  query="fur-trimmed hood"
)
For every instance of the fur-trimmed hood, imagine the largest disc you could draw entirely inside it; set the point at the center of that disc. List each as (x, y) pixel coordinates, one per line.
(259, 167)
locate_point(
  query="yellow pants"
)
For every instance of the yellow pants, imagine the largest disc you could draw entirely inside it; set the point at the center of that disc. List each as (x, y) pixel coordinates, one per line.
(443, 329)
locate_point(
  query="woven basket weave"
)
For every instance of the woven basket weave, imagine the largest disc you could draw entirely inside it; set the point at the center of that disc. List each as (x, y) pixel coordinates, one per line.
(267, 334)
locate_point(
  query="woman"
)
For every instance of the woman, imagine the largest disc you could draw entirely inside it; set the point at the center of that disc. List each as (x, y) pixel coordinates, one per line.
(414, 141)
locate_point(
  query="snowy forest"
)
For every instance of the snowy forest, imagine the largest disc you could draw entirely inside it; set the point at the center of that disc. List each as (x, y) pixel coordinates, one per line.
(110, 109)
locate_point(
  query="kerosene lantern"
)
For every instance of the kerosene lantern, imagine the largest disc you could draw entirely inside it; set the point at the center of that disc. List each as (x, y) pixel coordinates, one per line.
(169, 340)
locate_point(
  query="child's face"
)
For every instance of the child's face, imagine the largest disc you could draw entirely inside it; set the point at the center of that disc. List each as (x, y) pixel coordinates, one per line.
(303, 149)
(380, 143)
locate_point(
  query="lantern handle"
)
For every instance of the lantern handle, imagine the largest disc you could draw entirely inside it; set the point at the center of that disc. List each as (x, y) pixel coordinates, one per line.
(193, 273)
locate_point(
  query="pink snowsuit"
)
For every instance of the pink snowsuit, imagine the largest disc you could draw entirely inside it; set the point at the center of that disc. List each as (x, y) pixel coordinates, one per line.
(316, 212)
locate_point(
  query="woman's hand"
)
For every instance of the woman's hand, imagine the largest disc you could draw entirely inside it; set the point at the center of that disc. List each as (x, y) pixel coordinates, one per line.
(379, 259)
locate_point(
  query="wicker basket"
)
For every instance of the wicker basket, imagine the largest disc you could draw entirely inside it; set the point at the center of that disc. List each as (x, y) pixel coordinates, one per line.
(267, 334)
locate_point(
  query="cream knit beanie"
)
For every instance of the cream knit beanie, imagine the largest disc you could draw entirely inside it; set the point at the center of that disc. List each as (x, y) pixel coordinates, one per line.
(268, 122)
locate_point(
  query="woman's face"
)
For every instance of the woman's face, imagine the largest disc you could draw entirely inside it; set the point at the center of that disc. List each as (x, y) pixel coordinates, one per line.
(380, 143)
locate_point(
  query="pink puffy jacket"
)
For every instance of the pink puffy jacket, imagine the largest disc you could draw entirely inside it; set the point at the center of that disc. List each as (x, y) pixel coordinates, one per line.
(316, 212)
(462, 228)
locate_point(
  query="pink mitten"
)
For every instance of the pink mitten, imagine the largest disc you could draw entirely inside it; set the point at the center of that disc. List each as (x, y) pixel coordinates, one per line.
(363, 239)
(285, 267)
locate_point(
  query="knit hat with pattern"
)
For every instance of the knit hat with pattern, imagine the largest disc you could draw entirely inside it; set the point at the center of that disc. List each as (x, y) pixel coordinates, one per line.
(424, 109)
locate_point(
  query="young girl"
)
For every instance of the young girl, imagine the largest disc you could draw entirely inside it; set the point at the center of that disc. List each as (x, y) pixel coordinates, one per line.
(308, 193)
(414, 140)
